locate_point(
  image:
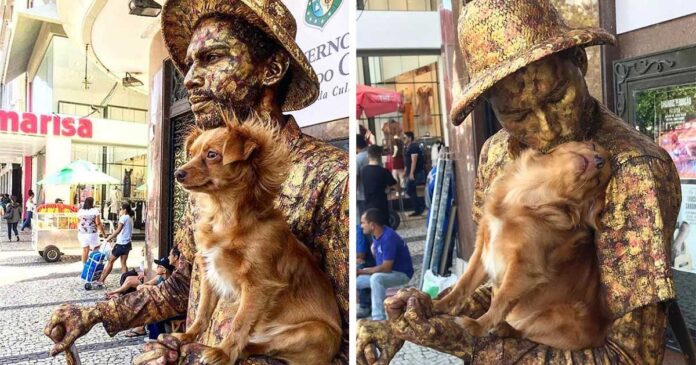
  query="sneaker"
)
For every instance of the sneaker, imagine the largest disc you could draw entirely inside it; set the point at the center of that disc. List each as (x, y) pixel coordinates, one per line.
(364, 312)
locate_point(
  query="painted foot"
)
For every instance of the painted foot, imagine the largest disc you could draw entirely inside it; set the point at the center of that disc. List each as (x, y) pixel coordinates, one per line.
(215, 356)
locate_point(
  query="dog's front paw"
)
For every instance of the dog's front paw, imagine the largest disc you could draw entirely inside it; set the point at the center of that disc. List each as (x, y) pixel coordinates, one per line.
(185, 337)
(215, 356)
(472, 326)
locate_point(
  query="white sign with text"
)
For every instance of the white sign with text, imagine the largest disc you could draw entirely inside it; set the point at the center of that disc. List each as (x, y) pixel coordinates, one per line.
(322, 34)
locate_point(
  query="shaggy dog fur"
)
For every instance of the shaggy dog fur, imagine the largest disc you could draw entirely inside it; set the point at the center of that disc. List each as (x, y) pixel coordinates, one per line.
(246, 251)
(535, 243)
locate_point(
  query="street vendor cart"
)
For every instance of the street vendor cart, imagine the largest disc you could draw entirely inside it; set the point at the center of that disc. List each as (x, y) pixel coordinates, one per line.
(55, 231)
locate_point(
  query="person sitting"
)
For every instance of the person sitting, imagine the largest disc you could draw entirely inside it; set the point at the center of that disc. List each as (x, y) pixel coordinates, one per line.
(392, 259)
(364, 258)
(133, 280)
(376, 180)
(165, 268)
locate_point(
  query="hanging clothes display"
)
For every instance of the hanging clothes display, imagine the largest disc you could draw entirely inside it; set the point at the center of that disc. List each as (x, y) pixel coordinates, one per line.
(115, 198)
(407, 111)
(127, 183)
(423, 105)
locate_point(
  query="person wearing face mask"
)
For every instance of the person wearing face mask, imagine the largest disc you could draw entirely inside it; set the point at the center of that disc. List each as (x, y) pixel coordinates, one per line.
(532, 75)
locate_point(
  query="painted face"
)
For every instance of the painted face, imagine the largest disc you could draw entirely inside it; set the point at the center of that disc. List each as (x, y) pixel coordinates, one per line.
(542, 105)
(221, 72)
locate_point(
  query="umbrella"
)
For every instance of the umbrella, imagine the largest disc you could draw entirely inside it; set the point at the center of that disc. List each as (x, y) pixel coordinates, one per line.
(375, 101)
(78, 172)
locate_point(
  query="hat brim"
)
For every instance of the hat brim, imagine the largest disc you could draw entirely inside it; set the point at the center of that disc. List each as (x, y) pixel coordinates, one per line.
(180, 17)
(471, 94)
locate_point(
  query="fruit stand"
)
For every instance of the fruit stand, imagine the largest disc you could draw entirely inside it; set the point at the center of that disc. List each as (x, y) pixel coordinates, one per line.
(55, 231)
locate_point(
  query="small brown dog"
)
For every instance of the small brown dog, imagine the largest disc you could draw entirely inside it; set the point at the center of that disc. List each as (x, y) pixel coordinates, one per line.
(247, 253)
(535, 243)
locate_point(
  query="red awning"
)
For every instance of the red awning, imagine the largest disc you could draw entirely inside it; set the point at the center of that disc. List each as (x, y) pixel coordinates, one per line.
(375, 101)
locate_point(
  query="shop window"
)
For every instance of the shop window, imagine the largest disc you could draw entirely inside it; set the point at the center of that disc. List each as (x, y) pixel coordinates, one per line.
(416, 78)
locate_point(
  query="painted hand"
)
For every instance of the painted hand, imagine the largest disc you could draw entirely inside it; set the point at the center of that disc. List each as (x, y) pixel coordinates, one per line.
(168, 350)
(373, 336)
(68, 322)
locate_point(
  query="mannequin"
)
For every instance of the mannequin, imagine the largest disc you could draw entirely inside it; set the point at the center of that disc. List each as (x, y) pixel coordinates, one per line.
(115, 198)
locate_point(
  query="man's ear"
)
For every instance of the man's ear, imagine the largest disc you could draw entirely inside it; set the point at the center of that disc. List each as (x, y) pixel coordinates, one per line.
(276, 68)
(237, 148)
(579, 57)
(192, 136)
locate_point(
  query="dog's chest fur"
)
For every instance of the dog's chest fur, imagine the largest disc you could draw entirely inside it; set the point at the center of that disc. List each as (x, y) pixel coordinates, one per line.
(224, 285)
(493, 260)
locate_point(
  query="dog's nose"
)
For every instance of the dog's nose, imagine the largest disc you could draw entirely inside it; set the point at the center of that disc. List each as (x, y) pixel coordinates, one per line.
(599, 161)
(180, 175)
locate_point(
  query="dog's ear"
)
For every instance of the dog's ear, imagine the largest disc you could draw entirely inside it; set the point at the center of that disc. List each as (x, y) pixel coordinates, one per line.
(594, 211)
(237, 148)
(563, 216)
(192, 136)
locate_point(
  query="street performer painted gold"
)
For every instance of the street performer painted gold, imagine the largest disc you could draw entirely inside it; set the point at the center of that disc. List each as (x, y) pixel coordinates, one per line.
(529, 66)
(239, 56)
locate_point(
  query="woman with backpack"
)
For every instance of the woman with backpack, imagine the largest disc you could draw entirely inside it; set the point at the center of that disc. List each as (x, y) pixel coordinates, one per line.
(13, 213)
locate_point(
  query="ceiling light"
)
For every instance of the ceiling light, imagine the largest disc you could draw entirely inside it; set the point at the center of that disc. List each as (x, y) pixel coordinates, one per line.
(144, 8)
(130, 81)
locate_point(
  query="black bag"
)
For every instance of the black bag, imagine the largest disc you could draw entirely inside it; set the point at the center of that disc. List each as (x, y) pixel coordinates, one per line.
(8, 213)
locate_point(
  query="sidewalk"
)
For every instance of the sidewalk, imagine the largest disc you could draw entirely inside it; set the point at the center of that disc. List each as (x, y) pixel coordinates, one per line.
(29, 290)
(413, 231)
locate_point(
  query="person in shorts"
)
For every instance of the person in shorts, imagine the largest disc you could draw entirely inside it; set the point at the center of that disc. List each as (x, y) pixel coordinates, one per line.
(123, 245)
(88, 224)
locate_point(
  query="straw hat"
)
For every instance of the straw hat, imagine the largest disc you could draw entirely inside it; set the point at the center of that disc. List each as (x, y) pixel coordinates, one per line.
(180, 18)
(499, 37)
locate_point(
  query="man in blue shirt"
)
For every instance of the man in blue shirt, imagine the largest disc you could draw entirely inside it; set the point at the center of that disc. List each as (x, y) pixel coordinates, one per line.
(392, 259)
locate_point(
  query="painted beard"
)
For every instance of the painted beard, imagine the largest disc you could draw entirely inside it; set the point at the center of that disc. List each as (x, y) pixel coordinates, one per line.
(241, 109)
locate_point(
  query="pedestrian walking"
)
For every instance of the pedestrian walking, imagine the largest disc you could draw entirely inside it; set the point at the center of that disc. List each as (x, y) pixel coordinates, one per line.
(123, 242)
(30, 206)
(13, 213)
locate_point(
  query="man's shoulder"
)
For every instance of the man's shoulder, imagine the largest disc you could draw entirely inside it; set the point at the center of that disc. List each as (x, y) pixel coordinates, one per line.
(625, 143)
(319, 154)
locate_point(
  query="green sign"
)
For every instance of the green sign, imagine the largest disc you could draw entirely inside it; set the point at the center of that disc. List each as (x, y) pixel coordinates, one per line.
(320, 11)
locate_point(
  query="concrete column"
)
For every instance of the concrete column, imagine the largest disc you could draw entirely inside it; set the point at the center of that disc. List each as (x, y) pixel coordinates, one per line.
(58, 155)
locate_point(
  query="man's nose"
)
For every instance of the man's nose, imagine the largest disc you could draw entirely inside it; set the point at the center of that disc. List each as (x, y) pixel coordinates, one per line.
(545, 129)
(180, 175)
(193, 78)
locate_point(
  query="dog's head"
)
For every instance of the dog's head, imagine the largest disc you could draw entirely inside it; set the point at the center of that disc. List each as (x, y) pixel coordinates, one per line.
(576, 173)
(240, 157)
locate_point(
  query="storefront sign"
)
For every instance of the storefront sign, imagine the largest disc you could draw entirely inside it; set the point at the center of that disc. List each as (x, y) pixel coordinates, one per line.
(41, 124)
(322, 34)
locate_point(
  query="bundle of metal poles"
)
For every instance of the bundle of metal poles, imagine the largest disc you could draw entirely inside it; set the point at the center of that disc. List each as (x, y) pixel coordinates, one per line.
(439, 243)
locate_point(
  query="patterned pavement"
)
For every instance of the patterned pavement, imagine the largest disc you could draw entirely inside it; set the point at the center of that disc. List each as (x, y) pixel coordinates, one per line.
(30, 288)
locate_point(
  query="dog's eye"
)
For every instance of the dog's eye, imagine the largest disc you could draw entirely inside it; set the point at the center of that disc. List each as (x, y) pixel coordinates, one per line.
(212, 154)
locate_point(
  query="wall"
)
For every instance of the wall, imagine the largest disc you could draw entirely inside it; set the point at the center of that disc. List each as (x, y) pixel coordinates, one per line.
(398, 30)
(660, 37)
